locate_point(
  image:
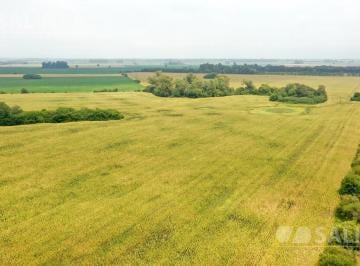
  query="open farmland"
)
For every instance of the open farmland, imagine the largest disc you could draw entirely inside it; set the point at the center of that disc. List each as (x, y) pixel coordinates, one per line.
(68, 84)
(81, 69)
(178, 181)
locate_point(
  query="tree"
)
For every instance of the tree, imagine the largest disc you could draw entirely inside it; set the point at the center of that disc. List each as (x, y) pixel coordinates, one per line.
(55, 65)
(5, 110)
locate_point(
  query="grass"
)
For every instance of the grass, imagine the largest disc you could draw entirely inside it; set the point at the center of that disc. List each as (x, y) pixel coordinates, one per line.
(68, 84)
(178, 181)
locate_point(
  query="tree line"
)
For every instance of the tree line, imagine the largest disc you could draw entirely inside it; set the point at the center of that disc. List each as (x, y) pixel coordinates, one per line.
(345, 238)
(11, 116)
(193, 87)
(260, 69)
(55, 65)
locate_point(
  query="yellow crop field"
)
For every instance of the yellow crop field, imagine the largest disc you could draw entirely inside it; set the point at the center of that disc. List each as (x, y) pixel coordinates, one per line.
(179, 181)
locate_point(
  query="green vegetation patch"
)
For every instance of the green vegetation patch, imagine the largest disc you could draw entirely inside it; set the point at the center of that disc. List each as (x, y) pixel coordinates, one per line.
(12, 116)
(337, 256)
(345, 236)
(356, 97)
(193, 87)
(299, 93)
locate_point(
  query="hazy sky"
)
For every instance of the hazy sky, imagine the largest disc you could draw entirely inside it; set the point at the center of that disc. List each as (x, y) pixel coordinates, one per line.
(180, 28)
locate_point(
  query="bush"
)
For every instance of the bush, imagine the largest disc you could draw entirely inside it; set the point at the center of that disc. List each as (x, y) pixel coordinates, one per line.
(265, 89)
(356, 162)
(356, 97)
(346, 234)
(210, 76)
(337, 256)
(349, 208)
(31, 76)
(350, 185)
(299, 93)
(24, 91)
(250, 88)
(247, 88)
(16, 116)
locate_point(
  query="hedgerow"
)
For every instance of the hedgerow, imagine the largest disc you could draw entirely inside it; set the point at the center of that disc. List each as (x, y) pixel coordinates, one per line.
(345, 239)
(11, 116)
(349, 208)
(350, 184)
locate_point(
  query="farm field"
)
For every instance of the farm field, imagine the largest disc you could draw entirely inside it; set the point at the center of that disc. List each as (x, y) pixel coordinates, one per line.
(67, 84)
(82, 69)
(72, 70)
(178, 181)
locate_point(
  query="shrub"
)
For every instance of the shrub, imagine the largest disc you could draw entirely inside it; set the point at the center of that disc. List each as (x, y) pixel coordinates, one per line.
(350, 185)
(265, 89)
(356, 97)
(299, 93)
(250, 88)
(210, 76)
(337, 256)
(356, 162)
(346, 234)
(24, 91)
(247, 88)
(349, 208)
(31, 76)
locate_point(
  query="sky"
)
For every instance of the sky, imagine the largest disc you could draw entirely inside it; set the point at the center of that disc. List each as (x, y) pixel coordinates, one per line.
(308, 29)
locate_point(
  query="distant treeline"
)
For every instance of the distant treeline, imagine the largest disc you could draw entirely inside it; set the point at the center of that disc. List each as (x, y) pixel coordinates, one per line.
(259, 69)
(193, 87)
(12, 116)
(55, 65)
